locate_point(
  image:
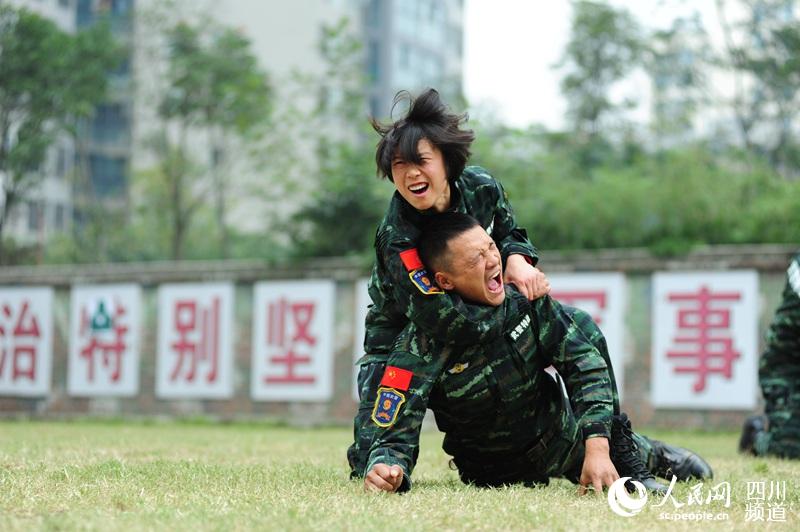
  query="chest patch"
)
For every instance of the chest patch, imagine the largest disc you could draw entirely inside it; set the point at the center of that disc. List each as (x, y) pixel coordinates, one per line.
(521, 326)
(387, 406)
(458, 368)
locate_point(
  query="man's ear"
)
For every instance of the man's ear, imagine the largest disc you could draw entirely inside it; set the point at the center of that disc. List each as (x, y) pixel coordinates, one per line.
(443, 280)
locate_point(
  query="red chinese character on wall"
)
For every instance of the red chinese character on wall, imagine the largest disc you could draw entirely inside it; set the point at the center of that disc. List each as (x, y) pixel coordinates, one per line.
(573, 297)
(198, 340)
(18, 351)
(290, 338)
(106, 338)
(704, 344)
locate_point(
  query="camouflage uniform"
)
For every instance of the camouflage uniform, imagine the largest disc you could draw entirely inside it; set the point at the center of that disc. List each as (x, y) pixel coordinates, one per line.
(506, 420)
(397, 300)
(779, 373)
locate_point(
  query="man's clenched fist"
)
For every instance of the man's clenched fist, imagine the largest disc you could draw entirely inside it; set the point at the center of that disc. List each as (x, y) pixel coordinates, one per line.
(383, 478)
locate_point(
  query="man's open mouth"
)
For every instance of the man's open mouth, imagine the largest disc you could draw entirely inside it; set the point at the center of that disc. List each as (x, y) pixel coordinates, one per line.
(495, 284)
(418, 188)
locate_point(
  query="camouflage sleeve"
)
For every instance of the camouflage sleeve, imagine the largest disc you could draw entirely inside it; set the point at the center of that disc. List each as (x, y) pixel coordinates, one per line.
(779, 366)
(439, 314)
(392, 409)
(511, 239)
(582, 367)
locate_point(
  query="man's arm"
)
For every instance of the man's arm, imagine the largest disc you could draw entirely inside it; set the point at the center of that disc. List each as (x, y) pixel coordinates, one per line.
(582, 367)
(588, 384)
(391, 413)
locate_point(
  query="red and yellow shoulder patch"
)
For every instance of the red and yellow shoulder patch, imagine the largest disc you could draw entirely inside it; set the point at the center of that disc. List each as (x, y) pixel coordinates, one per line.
(417, 273)
(387, 406)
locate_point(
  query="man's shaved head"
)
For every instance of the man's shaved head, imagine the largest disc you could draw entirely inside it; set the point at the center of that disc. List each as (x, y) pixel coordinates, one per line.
(438, 231)
(462, 257)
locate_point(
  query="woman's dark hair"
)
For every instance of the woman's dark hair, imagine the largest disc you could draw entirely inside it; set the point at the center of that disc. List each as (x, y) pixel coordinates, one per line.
(427, 118)
(438, 230)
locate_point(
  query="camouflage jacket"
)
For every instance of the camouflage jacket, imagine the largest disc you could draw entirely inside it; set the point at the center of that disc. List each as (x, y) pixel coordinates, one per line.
(780, 363)
(398, 296)
(492, 399)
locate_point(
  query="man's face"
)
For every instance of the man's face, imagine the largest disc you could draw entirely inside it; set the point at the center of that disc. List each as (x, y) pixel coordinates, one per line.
(423, 185)
(473, 268)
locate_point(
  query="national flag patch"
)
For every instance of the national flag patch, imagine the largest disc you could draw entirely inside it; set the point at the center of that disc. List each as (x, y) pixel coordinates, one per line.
(411, 260)
(397, 378)
(422, 281)
(387, 406)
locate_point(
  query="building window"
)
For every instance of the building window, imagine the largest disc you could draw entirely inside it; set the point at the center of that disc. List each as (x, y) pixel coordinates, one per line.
(110, 124)
(61, 162)
(58, 220)
(108, 175)
(34, 215)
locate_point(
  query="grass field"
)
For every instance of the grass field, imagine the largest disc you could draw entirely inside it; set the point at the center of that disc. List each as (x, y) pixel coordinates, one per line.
(200, 476)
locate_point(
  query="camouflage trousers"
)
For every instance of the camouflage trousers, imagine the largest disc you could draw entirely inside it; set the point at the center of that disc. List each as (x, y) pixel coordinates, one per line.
(372, 369)
(781, 390)
(559, 453)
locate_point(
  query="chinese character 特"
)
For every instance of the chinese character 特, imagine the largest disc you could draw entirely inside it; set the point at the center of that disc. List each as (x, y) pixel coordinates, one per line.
(705, 348)
(106, 335)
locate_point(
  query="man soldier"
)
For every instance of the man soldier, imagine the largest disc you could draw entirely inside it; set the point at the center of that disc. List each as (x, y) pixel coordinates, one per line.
(424, 154)
(533, 404)
(779, 376)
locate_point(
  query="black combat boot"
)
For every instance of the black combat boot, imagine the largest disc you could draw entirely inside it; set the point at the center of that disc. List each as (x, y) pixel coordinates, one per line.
(673, 460)
(753, 426)
(626, 458)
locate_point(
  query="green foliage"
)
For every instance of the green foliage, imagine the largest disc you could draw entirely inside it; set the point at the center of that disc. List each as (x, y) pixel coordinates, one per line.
(604, 47)
(48, 81)
(763, 53)
(667, 201)
(213, 85)
(346, 201)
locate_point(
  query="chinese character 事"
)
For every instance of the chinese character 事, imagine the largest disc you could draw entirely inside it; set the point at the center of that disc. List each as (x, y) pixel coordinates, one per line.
(704, 348)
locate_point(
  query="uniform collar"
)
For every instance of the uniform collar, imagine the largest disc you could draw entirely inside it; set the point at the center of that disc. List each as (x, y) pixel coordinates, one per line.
(418, 218)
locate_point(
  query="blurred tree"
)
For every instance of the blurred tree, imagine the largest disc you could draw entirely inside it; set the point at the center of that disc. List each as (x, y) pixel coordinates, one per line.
(214, 85)
(346, 201)
(604, 46)
(49, 80)
(677, 61)
(766, 66)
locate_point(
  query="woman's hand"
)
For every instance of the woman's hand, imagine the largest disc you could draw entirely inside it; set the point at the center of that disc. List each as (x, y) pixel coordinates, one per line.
(530, 281)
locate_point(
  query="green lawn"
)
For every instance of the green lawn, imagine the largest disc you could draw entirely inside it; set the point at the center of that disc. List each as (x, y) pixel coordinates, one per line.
(203, 476)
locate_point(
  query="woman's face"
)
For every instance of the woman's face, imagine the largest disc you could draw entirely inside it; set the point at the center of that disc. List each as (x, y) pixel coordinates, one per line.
(423, 185)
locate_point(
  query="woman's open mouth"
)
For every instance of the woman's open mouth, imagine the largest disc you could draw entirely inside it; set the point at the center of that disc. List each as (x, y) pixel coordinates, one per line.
(418, 189)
